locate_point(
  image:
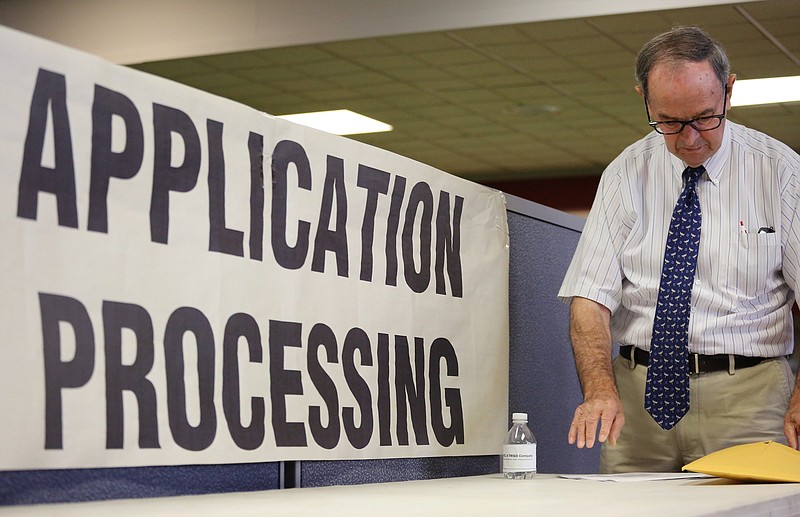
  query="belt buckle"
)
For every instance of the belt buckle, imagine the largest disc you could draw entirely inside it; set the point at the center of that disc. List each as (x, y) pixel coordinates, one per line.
(696, 363)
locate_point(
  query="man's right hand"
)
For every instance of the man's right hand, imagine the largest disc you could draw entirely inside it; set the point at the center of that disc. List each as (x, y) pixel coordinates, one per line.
(591, 342)
(606, 411)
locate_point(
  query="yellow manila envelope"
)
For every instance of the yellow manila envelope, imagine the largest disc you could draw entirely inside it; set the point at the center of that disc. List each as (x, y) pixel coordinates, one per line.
(760, 461)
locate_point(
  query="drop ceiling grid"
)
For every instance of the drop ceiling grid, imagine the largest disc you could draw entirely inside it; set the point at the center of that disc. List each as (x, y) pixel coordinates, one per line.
(463, 99)
(472, 65)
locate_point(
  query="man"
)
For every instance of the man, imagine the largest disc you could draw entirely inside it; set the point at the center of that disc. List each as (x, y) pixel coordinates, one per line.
(689, 259)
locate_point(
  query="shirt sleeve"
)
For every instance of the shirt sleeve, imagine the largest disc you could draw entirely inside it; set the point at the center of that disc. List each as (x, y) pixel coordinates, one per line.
(790, 200)
(595, 272)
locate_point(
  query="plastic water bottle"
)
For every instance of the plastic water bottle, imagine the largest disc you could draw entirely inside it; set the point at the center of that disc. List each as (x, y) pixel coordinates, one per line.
(519, 449)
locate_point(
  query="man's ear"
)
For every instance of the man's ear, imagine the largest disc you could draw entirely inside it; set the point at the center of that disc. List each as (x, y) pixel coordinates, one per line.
(639, 90)
(731, 80)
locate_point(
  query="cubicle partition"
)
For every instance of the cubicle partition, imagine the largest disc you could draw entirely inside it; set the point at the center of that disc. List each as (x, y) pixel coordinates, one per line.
(543, 383)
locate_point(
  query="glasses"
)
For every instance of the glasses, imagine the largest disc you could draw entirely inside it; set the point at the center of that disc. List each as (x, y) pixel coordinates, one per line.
(673, 127)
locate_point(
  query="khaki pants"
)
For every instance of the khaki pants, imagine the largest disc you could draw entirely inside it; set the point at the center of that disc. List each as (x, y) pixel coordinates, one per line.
(725, 410)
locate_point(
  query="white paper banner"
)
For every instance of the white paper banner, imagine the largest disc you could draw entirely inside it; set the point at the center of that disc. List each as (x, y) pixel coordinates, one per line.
(187, 280)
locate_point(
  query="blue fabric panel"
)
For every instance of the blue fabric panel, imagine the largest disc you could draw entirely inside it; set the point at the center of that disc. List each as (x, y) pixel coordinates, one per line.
(59, 486)
(356, 472)
(542, 378)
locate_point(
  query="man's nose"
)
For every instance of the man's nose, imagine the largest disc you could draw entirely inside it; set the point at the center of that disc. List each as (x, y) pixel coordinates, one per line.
(689, 134)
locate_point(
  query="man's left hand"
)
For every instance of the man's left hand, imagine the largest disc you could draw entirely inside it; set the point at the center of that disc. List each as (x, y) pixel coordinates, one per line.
(791, 422)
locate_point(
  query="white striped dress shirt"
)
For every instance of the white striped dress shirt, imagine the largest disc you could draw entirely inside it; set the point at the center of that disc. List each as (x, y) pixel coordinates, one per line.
(745, 280)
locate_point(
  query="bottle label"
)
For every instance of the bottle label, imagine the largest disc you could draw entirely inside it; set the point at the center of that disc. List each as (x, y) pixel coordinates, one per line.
(519, 457)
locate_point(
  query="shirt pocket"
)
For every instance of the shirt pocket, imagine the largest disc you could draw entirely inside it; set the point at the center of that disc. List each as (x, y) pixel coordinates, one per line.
(755, 258)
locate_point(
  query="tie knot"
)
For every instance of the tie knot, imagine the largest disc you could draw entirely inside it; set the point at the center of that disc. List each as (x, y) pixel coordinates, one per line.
(692, 174)
(690, 177)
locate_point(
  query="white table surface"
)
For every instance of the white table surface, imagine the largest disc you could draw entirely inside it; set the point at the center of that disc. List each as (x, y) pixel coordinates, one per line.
(490, 495)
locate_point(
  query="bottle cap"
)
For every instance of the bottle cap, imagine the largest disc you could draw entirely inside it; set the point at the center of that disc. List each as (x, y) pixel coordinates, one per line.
(519, 416)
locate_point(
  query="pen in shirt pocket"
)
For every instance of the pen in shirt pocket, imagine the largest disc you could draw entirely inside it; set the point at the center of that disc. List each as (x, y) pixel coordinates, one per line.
(766, 229)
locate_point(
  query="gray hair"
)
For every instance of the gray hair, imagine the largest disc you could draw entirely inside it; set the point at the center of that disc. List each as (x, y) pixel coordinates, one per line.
(681, 45)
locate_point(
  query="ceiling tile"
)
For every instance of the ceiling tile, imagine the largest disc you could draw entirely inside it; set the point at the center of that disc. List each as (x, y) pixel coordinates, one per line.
(273, 75)
(412, 101)
(358, 48)
(526, 93)
(708, 17)
(522, 100)
(522, 51)
(753, 67)
(505, 80)
(585, 46)
(485, 68)
(360, 79)
(389, 63)
(296, 55)
(234, 61)
(421, 42)
(471, 96)
(450, 57)
(491, 36)
(331, 67)
(211, 81)
(412, 75)
(245, 90)
(175, 68)
(633, 23)
(437, 86)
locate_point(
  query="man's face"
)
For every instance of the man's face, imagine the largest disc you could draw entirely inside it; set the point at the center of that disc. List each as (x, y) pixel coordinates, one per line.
(684, 92)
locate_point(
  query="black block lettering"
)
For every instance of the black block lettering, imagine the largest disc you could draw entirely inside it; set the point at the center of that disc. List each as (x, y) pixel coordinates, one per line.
(448, 245)
(418, 281)
(392, 227)
(255, 146)
(220, 237)
(166, 178)
(252, 436)
(410, 393)
(182, 321)
(59, 374)
(332, 240)
(107, 163)
(359, 436)
(132, 377)
(375, 182)
(384, 402)
(326, 437)
(442, 349)
(288, 152)
(284, 382)
(49, 96)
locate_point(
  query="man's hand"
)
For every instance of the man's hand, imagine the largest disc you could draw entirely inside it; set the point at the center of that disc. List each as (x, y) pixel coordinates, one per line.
(791, 422)
(591, 342)
(607, 411)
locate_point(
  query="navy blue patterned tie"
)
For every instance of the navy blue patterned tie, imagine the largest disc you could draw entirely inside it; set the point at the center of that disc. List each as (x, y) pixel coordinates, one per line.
(667, 393)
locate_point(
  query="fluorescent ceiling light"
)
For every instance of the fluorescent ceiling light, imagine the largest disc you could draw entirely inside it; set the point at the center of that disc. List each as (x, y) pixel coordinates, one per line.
(339, 122)
(766, 91)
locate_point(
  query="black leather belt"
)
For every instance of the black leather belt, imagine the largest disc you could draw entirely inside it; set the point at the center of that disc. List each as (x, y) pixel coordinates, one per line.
(698, 363)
